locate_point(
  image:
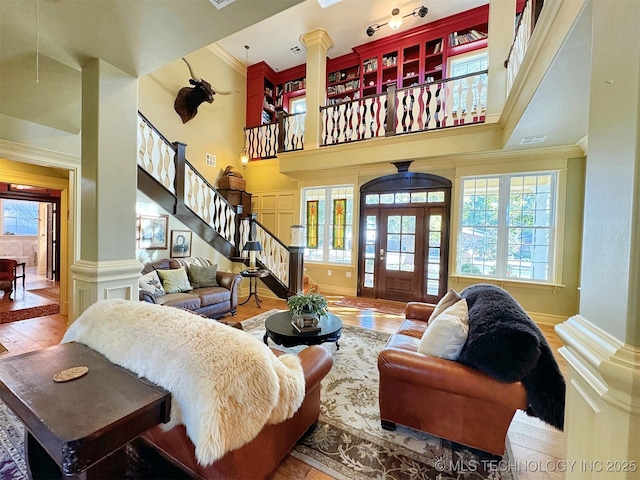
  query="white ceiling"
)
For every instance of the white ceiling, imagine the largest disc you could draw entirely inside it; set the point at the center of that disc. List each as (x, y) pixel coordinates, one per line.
(346, 22)
(139, 36)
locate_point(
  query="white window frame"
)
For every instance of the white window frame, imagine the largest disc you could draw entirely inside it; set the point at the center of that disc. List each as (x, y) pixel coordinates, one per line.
(327, 224)
(555, 237)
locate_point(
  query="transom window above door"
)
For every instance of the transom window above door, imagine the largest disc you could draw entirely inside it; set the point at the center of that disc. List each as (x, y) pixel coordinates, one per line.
(400, 198)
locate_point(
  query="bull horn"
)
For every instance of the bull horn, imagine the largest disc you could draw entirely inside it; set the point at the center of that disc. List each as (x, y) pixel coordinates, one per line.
(193, 75)
(223, 92)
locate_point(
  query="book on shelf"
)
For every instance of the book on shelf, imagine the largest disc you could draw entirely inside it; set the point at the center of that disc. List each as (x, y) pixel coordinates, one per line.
(370, 65)
(437, 48)
(472, 35)
(294, 85)
(389, 61)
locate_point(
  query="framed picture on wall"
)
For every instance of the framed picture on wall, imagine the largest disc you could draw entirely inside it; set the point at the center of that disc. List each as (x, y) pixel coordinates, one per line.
(180, 243)
(152, 232)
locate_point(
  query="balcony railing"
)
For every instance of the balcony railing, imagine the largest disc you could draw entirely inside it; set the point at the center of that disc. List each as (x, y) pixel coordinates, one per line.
(447, 103)
(524, 29)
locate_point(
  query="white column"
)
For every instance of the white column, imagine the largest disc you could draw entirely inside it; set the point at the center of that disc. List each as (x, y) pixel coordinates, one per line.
(317, 43)
(502, 15)
(602, 343)
(107, 267)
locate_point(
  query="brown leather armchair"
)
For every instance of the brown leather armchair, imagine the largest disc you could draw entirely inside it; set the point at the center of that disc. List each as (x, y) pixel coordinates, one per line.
(443, 397)
(260, 456)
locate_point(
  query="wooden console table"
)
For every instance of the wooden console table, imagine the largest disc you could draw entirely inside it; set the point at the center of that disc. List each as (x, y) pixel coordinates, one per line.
(72, 427)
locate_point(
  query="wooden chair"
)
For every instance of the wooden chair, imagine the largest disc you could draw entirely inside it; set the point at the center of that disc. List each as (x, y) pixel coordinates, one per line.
(8, 270)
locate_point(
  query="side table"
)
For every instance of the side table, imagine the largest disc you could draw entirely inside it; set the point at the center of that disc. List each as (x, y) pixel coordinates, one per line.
(253, 276)
(79, 428)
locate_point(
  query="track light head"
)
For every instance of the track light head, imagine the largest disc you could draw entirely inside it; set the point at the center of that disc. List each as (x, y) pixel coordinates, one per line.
(421, 12)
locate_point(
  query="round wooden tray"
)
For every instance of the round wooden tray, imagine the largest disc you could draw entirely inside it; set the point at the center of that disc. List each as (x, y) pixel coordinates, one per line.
(70, 374)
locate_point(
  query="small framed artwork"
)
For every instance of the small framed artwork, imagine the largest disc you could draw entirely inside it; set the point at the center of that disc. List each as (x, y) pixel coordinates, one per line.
(180, 243)
(152, 232)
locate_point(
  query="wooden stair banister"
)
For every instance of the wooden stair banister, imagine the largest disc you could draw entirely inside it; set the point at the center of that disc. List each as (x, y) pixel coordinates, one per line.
(167, 178)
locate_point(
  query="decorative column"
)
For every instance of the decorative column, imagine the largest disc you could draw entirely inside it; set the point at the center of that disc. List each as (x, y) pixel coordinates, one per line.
(317, 43)
(107, 265)
(501, 32)
(602, 342)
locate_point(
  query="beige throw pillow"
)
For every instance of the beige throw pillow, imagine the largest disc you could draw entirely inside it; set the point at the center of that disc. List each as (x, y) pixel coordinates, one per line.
(445, 302)
(447, 333)
(175, 280)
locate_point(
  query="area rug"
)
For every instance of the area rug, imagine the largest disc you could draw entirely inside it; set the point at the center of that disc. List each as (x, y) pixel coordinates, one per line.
(349, 442)
(52, 293)
(31, 312)
(384, 306)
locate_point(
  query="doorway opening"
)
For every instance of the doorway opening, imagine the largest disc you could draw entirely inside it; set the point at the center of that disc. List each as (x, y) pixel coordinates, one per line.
(404, 237)
(30, 227)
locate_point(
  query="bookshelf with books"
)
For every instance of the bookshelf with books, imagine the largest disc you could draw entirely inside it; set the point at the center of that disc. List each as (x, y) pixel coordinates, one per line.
(261, 95)
(467, 39)
(433, 60)
(412, 57)
(411, 69)
(269, 91)
(343, 79)
(291, 84)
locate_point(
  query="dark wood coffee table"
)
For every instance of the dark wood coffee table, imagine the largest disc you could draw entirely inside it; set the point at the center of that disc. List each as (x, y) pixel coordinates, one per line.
(279, 329)
(79, 429)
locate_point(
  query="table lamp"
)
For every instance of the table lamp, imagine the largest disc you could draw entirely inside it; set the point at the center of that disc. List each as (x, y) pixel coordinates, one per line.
(252, 247)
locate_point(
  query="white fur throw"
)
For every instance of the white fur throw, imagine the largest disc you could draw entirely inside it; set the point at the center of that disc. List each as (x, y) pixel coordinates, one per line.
(225, 384)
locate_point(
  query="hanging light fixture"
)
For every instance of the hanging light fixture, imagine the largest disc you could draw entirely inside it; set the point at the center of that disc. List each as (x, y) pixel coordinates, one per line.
(244, 154)
(396, 20)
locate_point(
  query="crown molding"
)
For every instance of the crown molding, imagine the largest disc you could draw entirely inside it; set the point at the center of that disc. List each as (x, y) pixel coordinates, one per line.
(21, 152)
(227, 58)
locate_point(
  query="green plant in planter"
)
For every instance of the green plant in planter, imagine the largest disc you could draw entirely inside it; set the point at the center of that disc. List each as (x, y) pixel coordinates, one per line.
(308, 304)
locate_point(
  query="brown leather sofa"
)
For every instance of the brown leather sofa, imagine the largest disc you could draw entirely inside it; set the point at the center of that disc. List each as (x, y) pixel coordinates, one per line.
(211, 302)
(443, 397)
(260, 456)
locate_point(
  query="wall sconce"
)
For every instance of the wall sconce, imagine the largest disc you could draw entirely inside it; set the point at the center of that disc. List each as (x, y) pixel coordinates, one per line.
(252, 247)
(396, 20)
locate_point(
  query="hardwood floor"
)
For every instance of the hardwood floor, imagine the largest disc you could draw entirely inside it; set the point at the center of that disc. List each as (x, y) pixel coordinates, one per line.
(537, 448)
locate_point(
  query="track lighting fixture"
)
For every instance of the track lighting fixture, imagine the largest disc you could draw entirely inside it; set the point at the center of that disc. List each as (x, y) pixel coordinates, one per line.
(396, 20)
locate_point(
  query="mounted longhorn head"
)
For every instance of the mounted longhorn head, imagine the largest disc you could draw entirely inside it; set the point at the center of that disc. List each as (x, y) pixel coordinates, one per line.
(190, 98)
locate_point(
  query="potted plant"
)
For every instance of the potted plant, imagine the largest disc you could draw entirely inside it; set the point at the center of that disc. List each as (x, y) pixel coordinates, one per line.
(307, 306)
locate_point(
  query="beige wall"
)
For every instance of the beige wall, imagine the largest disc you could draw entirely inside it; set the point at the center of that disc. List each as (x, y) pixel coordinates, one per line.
(217, 128)
(546, 303)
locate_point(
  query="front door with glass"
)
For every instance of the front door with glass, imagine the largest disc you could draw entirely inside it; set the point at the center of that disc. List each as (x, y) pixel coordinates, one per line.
(404, 240)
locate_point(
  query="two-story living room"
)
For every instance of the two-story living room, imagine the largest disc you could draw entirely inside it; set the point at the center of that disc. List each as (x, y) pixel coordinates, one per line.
(378, 151)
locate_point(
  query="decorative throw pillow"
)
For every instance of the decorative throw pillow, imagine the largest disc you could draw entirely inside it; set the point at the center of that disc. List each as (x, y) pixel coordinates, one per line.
(175, 280)
(450, 298)
(447, 333)
(150, 282)
(202, 276)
